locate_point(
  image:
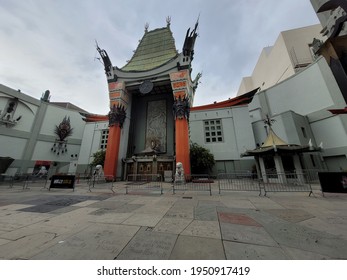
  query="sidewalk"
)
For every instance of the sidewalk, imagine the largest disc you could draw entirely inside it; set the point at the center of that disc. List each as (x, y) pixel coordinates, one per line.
(63, 224)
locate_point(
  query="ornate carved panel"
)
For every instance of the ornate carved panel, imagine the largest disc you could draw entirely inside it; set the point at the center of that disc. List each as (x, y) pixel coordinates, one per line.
(156, 126)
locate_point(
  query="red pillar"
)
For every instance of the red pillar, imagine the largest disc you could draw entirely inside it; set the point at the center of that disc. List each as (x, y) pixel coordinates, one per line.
(112, 151)
(182, 144)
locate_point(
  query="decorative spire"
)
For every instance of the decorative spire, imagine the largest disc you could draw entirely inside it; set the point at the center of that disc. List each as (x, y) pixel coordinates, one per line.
(168, 21)
(146, 27)
(268, 121)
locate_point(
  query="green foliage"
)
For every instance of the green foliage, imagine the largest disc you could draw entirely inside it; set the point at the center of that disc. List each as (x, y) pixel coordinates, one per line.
(98, 158)
(201, 159)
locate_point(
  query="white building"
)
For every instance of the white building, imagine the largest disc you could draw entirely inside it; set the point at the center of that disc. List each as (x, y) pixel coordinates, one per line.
(27, 135)
(290, 53)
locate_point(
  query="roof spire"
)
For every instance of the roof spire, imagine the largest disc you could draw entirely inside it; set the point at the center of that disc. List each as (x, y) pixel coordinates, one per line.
(146, 27)
(168, 21)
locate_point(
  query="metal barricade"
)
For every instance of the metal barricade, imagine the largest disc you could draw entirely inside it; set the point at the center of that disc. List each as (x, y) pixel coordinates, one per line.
(286, 182)
(105, 180)
(144, 182)
(23, 180)
(244, 181)
(199, 182)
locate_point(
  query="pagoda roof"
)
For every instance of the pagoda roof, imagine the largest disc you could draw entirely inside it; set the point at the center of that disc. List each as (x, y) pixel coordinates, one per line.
(273, 140)
(156, 48)
(238, 100)
(274, 144)
(87, 117)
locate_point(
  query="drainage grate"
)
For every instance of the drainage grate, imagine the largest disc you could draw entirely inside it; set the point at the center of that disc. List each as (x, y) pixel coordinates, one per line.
(187, 197)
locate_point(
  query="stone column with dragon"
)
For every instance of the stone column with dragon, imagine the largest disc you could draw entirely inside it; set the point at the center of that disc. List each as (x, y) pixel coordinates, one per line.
(180, 82)
(116, 116)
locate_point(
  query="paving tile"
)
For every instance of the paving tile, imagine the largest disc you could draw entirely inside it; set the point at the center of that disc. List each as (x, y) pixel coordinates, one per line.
(300, 237)
(172, 225)
(155, 209)
(42, 208)
(242, 251)
(238, 219)
(246, 234)
(149, 245)
(209, 229)
(185, 211)
(298, 254)
(26, 247)
(325, 225)
(197, 248)
(146, 220)
(265, 203)
(291, 215)
(97, 242)
(107, 216)
(107, 204)
(205, 213)
(13, 207)
(237, 203)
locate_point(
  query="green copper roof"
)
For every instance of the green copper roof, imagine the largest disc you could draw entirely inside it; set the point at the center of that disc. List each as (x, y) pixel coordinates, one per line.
(156, 48)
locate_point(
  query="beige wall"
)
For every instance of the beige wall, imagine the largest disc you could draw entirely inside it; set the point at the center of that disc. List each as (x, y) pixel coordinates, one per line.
(279, 62)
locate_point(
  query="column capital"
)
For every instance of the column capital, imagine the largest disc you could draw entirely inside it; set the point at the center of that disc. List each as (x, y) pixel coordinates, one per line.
(117, 115)
(181, 108)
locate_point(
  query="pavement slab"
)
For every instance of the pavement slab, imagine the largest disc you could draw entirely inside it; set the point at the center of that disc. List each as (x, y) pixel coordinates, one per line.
(149, 245)
(237, 203)
(172, 225)
(291, 215)
(209, 229)
(247, 234)
(97, 242)
(241, 251)
(205, 213)
(107, 216)
(300, 237)
(298, 254)
(324, 225)
(197, 248)
(26, 247)
(238, 219)
(62, 224)
(146, 220)
(109, 204)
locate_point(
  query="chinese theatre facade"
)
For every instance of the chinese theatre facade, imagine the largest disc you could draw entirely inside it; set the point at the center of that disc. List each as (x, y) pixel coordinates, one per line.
(150, 99)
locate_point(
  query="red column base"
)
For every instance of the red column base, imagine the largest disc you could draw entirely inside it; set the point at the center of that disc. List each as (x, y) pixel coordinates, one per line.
(112, 152)
(182, 144)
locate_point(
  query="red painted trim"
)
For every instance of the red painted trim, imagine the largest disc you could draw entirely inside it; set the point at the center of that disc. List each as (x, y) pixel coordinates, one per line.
(338, 111)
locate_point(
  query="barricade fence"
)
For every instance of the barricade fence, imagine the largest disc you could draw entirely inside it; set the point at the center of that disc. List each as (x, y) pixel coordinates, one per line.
(286, 182)
(144, 182)
(193, 182)
(100, 180)
(23, 180)
(244, 181)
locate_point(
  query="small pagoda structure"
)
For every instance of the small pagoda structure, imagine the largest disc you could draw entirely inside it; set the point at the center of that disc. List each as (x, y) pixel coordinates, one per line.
(150, 99)
(276, 158)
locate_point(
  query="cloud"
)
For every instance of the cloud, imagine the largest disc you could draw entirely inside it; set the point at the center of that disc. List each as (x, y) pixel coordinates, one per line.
(50, 44)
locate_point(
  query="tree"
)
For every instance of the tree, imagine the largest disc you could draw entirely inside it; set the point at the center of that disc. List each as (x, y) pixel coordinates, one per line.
(201, 159)
(98, 158)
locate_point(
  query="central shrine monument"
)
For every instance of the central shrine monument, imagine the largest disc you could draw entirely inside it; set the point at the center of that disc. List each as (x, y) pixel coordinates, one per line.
(150, 100)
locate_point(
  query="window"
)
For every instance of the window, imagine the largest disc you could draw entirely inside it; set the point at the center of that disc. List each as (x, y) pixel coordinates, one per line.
(213, 131)
(104, 137)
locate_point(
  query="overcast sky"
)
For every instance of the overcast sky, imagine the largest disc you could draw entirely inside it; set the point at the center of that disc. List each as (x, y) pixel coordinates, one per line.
(46, 44)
